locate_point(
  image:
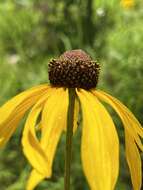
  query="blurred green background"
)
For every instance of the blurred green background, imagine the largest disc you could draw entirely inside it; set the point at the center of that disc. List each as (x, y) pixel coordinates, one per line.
(34, 31)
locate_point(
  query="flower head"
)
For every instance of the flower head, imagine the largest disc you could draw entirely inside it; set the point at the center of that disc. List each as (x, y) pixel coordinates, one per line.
(74, 69)
(99, 143)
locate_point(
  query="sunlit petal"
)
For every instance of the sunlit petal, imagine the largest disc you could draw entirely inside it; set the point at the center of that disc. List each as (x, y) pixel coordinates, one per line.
(100, 146)
(14, 109)
(132, 131)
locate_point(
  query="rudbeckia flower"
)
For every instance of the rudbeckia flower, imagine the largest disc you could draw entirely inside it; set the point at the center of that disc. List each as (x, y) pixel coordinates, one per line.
(49, 108)
(127, 3)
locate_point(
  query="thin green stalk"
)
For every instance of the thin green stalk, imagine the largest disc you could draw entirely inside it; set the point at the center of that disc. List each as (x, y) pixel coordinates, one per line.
(69, 135)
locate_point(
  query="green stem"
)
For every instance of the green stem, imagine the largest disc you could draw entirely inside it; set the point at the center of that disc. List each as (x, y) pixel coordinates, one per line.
(69, 134)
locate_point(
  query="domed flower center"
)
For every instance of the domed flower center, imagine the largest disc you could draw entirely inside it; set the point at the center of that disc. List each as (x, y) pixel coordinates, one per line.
(74, 69)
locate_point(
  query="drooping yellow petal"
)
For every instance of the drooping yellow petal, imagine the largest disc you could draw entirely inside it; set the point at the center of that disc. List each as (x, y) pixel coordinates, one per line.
(130, 122)
(134, 161)
(34, 179)
(132, 131)
(54, 118)
(53, 122)
(15, 103)
(12, 111)
(76, 115)
(31, 146)
(100, 146)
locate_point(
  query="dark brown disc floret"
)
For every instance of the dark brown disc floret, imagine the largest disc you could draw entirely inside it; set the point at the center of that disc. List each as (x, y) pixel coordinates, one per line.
(74, 69)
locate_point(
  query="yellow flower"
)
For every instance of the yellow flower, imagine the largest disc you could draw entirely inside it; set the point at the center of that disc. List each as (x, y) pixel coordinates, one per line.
(127, 4)
(99, 143)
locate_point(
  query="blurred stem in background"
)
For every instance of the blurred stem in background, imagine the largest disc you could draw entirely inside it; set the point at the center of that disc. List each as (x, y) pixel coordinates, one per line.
(88, 25)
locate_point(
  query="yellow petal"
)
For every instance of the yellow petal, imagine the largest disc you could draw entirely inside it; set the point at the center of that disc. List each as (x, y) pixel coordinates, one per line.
(132, 131)
(130, 122)
(12, 111)
(31, 146)
(18, 101)
(134, 161)
(54, 119)
(53, 122)
(76, 115)
(100, 146)
(34, 179)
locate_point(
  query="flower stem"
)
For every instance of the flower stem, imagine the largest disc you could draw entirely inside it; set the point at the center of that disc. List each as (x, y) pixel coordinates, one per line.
(69, 134)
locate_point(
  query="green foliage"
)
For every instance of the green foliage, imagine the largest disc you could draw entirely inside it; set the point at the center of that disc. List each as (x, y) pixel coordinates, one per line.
(34, 31)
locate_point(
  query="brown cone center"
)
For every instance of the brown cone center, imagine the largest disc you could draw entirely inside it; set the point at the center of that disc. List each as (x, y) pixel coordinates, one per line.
(74, 69)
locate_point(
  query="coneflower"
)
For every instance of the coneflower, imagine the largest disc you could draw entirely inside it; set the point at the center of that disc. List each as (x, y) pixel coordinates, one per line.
(73, 79)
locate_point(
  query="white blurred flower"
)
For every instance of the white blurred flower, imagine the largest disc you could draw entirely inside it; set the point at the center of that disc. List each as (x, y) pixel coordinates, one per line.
(100, 12)
(13, 59)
